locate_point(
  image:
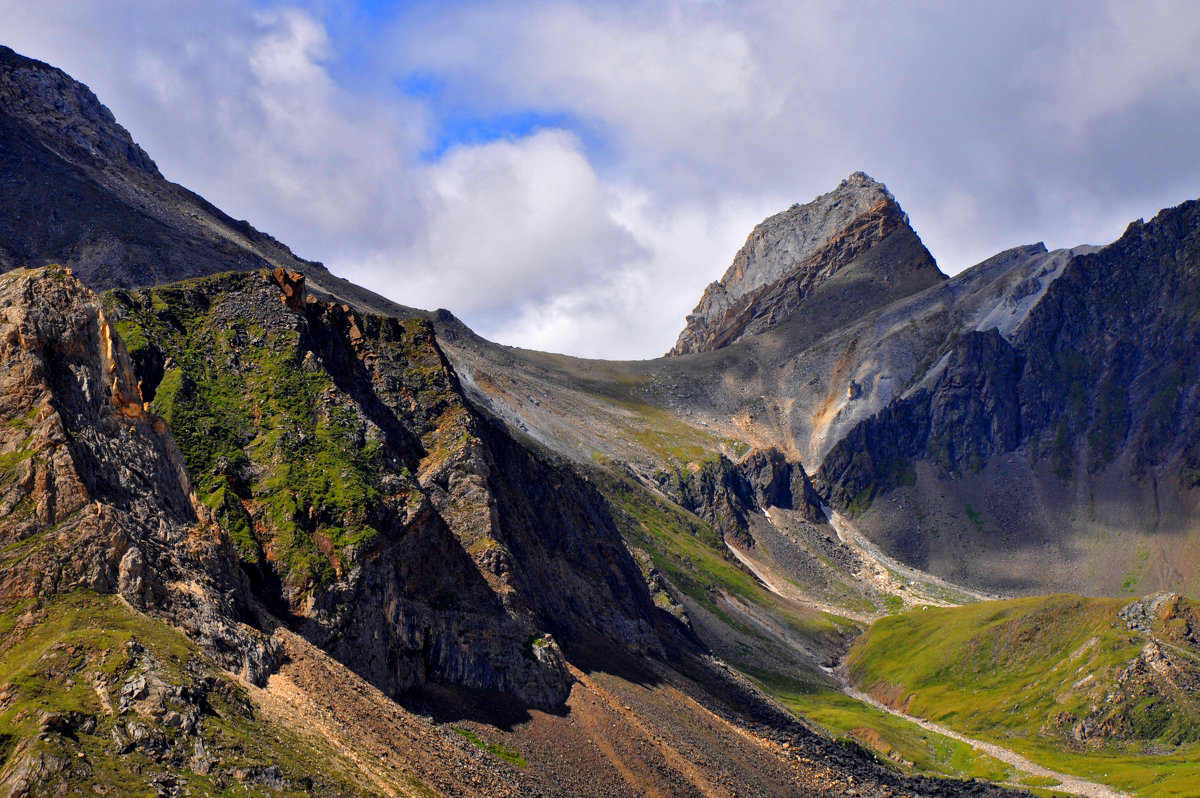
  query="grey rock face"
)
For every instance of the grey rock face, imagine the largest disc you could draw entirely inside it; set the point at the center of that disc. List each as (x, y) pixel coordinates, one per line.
(78, 191)
(1100, 371)
(791, 253)
(66, 112)
(727, 494)
(791, 237)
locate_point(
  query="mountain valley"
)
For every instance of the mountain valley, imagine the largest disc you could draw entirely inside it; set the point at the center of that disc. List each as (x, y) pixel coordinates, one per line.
(265, 532)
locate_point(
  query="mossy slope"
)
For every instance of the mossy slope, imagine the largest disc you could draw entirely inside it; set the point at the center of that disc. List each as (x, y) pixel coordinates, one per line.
(100, 699)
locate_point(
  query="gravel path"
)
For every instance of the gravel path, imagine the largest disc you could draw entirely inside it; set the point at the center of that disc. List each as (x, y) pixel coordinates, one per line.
(1067, 783)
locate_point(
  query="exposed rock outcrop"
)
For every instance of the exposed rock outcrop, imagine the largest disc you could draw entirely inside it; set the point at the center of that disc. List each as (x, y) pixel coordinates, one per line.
(93, 492)
(790, 254)
(416, 539)
(66, 113)
(726, 494)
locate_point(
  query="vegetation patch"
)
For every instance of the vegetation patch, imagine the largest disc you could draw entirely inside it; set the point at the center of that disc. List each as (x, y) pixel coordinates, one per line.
(509, 755)
(692, 555)
(1062, 680)
(288, 460)
(129, 705)
(894, 741)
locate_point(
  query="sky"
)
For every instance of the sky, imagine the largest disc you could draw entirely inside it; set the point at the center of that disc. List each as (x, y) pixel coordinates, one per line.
(569, 176)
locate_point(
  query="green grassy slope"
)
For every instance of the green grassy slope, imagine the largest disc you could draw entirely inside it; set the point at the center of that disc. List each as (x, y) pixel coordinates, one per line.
(1063, 680)
(900, 742)
(99, 698)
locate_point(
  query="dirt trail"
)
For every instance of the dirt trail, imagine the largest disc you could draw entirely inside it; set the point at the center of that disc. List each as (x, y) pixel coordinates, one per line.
(914, 587)
(1067, 783)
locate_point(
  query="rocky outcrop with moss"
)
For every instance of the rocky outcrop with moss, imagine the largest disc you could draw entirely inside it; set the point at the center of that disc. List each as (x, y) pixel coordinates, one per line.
(93, 491)
(96, 696)
(409, 537)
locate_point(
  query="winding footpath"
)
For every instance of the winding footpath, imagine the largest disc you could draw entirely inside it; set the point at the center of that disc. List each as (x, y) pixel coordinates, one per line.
(1067, 783)
(887, 567)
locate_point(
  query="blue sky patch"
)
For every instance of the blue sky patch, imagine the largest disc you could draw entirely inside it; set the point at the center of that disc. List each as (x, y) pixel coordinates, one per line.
(476, 130)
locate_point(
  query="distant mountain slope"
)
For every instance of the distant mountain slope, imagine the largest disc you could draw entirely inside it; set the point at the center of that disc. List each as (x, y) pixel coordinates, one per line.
(1062, 452)
(1034, 416)
(80, 192)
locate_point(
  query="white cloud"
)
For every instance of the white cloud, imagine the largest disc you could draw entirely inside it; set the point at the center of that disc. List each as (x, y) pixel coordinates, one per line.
(508, 222)
(663, 79)
(527, 244)
(636, 307)
(1128, 53)
(239, 105)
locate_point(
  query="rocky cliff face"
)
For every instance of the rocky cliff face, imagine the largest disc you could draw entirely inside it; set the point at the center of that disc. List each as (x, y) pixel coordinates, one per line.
(93, 492)
(792, 253)
(1060, 451)
(414, 538)
(727, 494)
(1111, 371)
(1099, 372)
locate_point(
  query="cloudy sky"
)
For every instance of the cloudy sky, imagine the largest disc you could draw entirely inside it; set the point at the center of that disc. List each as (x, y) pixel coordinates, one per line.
(570, 175)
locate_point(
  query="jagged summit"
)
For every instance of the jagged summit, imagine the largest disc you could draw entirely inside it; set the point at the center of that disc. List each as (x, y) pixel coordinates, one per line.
(790, 254)
(65, 112)
(794, 235)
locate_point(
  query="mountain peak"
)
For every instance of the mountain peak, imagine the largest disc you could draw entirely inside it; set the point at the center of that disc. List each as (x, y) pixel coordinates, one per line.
(80, 192)
(65, 113)
(788, 255)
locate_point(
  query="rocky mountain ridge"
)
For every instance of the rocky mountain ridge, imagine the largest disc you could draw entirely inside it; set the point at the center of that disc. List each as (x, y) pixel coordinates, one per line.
(386, 613)
(81, 193)
(790, 254)
(1064, 497)
(1095, 386)
(405, 538)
